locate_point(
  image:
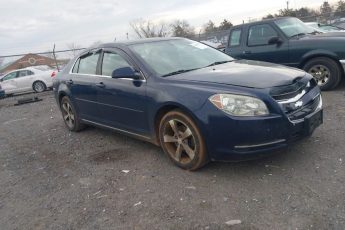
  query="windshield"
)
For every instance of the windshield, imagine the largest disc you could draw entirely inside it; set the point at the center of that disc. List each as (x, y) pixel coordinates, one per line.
(293, 26)
(42, 67)
(171, 57)
(329, 28)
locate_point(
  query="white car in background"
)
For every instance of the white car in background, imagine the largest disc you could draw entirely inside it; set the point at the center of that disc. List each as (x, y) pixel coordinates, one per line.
(37, 78)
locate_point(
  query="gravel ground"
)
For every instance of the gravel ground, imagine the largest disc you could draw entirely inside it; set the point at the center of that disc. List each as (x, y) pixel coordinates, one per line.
(51, 178)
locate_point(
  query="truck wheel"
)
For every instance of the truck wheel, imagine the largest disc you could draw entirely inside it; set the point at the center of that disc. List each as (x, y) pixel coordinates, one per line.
(182, 141)
(325, 71)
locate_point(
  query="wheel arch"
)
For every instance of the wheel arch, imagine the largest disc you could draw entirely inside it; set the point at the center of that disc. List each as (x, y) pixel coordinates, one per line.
(164, 109)
(319, 54)
(61, 95)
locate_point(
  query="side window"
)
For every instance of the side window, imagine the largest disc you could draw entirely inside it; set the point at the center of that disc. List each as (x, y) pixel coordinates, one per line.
(112, 61)
(260, 35)
(76, 66)
(235, 37)
(10, 76)
(88, 64)
(23, 73)
(30, 72)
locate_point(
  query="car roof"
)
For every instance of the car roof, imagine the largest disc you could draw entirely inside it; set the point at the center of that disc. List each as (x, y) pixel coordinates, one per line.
(27, 68)
(133, 42)
(260, 22)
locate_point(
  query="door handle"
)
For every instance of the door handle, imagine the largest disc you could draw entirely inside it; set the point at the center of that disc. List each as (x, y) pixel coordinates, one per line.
(247, 52)
(69, 82)
(100, 85)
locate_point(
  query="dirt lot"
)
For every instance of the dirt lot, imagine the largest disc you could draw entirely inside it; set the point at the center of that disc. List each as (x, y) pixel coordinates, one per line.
(53, 179)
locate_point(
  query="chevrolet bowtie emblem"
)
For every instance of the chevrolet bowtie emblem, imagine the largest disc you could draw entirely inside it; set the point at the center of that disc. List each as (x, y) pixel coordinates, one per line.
(298, 104)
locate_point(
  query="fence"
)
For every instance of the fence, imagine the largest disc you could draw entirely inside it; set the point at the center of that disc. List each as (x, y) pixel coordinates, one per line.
(19, 61)
(219, 38)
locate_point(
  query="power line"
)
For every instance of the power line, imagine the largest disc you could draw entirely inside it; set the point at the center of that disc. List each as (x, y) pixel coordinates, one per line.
(48, 52)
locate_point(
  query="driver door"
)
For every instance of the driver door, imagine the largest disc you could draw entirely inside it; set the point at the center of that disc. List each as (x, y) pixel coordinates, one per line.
(122, 102)
(258, 47)
(8, 83)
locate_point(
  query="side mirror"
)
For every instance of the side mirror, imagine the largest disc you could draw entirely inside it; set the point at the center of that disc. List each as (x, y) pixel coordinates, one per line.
(126, 72)
(275, 41)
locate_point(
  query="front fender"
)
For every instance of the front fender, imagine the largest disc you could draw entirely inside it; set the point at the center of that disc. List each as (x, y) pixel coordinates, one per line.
(60, 91)
(318, 53)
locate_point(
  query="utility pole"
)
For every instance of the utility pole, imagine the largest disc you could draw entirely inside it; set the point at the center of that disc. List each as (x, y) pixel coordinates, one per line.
(57, 65)
(287, 5)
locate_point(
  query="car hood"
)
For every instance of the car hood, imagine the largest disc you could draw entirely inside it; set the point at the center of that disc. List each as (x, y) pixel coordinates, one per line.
(332, 34)
(245, 73)
(324, 36)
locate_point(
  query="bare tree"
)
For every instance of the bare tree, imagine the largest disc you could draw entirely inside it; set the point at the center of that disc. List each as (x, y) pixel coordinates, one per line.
(181, 28)
(210, 27)
(147, 29)
(225, 25)
(74, 49)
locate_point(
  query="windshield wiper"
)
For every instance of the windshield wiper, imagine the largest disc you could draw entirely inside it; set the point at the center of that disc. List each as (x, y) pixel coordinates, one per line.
(315, 32)
(219, 63)
(298, 35)
(178, 72)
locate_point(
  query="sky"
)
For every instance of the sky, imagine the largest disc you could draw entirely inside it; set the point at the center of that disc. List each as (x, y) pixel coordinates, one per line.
(35, 25)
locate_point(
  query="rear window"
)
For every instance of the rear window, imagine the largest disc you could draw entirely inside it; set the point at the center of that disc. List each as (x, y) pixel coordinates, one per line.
(235, 37)
(260, 35)
(43, 67)
(86, 64)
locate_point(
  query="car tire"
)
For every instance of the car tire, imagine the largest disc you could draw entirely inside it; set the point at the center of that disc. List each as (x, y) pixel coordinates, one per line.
(181, 139)
(325, 71)
(70, 115)
(39, 86)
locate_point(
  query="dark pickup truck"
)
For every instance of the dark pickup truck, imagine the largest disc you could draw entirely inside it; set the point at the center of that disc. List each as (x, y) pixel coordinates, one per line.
(288, 41)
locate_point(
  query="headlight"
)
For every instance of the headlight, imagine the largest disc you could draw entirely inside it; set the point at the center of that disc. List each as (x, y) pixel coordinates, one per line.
(237, 105)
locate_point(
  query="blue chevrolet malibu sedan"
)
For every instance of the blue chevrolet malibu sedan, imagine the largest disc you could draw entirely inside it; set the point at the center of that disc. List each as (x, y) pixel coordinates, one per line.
(194, 101)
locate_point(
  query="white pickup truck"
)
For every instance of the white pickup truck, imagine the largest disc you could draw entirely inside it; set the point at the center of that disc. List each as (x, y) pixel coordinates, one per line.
(36, 78)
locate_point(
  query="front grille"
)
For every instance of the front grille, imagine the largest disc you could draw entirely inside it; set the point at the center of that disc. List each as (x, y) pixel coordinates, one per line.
(305, 110)
(291, 91)
(294, 100)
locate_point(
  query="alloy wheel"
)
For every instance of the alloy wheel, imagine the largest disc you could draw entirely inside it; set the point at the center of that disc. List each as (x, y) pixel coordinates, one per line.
(320, 73)
(68, 114)
(179, 141)
(39, 87)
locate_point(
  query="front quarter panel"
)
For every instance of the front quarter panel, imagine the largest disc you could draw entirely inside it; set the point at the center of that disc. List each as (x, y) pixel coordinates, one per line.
(192, 97)
(306, 48)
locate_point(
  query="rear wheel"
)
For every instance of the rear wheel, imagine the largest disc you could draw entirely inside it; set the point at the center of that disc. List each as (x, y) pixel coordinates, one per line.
(182, 141)
(70, 115)
(39, 86)
(325, 71)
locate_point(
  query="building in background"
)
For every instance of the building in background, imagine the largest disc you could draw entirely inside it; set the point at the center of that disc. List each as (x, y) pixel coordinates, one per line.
(31, 60)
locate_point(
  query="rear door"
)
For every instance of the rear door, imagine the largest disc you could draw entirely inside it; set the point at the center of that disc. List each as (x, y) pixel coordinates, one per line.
(81, 82)
(235, 43)
(24, 80)
(122, 102)
(257, 47)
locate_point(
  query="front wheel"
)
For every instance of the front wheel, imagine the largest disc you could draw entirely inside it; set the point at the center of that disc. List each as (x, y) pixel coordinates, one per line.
(70, 115)
(182, 141)
(325, 71)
